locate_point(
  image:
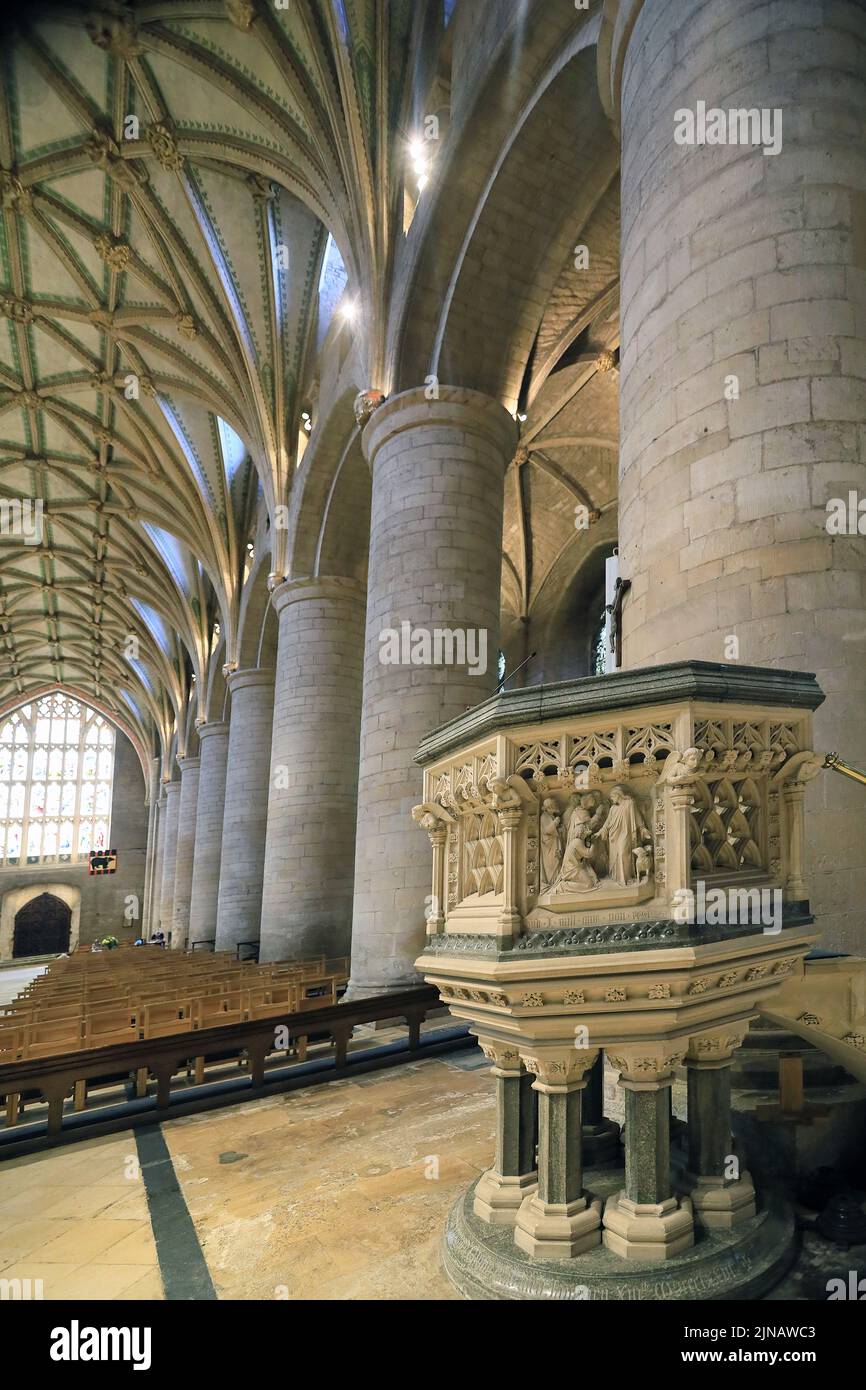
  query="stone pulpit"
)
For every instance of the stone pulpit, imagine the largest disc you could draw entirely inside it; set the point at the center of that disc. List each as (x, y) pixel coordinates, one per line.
(617, 872)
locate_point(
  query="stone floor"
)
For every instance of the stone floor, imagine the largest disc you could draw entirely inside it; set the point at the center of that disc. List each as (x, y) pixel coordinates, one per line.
(77, 1219)
(334, 1192)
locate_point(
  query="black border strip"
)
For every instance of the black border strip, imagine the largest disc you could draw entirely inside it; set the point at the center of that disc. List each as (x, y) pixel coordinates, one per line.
(182, 1264)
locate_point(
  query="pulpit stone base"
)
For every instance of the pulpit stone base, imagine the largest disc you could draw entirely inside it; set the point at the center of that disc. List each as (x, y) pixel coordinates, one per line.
(484, 1263)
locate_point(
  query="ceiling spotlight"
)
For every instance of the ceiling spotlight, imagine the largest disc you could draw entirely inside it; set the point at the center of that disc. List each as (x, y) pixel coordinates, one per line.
(520, 417)
(349, 310)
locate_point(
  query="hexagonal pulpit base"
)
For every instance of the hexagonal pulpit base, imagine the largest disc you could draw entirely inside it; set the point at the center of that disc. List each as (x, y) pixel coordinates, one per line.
(484, 1262)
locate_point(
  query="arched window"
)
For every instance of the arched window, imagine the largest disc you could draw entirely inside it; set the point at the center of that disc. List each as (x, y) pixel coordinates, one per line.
(56, 775)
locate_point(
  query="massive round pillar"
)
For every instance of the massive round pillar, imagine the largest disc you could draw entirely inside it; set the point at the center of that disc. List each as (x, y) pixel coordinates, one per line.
(143, 917)
(185, 850)
(310, 845)
(213, 741)
(743, 361)
(242, 858)
(158, 857)
(169, 821)
(431, 647)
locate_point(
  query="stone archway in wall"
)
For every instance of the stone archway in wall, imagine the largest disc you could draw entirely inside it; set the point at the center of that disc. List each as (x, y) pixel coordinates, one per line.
(42, 927)
(19, 899)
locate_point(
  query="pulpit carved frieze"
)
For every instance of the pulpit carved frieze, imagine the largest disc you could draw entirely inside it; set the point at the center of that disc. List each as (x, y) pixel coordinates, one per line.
(593, 820)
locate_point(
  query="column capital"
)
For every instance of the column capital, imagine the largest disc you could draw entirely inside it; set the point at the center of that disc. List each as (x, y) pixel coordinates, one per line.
(456, 407)
(216, 726)
(252, 675)
(171, 787)
(715, 1047)
(559, 1068)
(647, 1066)
(504, 1056)
(317, 587)
(186, 764)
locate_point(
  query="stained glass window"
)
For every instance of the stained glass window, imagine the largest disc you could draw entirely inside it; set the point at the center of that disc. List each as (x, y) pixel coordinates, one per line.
(56, 774)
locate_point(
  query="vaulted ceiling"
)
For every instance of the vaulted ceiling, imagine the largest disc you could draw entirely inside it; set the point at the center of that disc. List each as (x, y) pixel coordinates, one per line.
(167, 175)
(170, 173)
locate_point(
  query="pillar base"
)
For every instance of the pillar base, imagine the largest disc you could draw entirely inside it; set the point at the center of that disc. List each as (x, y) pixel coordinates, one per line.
(498, 1199)
(557, 1232)
(354, 992)
(720, 1205)
(648, 1231)
(484, 1263)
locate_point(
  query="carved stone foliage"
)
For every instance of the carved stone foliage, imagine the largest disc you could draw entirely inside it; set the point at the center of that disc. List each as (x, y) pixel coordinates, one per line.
(774, 833)
(18, 310)
(647, 1061)
(534, 999)
(453, 890)
(13, 194)
(116, 34)
(113, 251)
(478, 996)
(165, 148)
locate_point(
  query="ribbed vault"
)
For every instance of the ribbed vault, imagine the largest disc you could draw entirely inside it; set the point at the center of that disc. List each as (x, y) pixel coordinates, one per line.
(168, 177)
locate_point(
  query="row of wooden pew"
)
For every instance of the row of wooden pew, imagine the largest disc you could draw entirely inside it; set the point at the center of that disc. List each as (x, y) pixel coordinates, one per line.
(90, 1001)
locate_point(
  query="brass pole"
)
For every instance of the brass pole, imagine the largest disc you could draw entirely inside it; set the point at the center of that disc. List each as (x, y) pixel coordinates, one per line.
(833, 761)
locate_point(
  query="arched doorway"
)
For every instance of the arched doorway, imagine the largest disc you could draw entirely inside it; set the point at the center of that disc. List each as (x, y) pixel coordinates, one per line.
(42, 927)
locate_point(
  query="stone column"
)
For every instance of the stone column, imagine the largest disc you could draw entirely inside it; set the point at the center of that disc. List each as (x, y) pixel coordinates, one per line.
(722, 1196)
(213, 739)
(170, 820)
(185, 850)
(794, 800)
(159, 855)
(245, 817)
(153, 788)
(560, 1220)
(501, 1190)
(312, 797)
(743, 363)
(435, 561)
(646, 1221)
